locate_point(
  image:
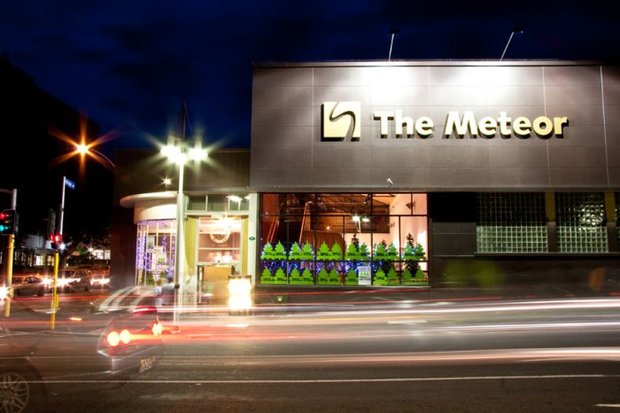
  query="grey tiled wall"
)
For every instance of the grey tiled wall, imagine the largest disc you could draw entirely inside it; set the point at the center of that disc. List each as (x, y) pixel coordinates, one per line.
(287, 152)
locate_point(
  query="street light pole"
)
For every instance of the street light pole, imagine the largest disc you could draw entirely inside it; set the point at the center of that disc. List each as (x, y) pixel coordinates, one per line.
(65, 182)
(179, 252)
(177, 152)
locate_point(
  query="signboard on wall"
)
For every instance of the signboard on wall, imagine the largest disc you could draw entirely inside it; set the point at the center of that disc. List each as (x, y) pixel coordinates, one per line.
(433, 126)
(364, 275)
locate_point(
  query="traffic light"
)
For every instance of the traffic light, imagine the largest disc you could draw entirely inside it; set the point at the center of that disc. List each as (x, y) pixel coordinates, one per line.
(8, 222)
(56, 240)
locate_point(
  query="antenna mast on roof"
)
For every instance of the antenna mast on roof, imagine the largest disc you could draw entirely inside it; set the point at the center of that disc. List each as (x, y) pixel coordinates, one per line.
(393, 32)
(515, 30)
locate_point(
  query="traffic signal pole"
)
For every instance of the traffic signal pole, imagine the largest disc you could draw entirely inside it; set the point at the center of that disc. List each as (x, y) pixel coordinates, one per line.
(9, 260)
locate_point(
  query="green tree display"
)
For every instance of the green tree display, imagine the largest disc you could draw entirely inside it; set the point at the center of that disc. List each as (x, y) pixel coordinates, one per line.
(380, 278)
(267, 253)
(353, 253)
(295, 254)
(266, 277)
(307, 277)
(412, 255)
(380, 251)
(392, 277)
(364, 253)
(334, 277)
(307, 252)
(324, 253)
(295, 277)
(351, 278)
(280, 277)
(336, 252)
(323, 277)
(279, 253)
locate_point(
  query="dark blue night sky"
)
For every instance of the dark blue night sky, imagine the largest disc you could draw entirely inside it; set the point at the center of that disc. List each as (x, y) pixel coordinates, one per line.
(129, 65)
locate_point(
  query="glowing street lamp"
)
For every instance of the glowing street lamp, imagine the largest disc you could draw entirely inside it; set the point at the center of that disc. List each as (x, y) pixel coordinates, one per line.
(87, 150)
(180, 154)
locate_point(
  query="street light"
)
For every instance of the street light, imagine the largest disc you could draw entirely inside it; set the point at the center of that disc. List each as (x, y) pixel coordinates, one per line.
(87, 150)
(178, 152)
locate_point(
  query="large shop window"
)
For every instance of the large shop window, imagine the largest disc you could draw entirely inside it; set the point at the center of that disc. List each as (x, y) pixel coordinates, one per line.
(511, 222)
(343, 239)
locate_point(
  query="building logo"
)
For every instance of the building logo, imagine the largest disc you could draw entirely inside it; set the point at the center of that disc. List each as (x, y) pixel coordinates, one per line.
(341, 120)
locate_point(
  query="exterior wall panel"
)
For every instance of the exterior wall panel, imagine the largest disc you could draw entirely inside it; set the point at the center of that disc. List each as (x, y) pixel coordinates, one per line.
(287, 124)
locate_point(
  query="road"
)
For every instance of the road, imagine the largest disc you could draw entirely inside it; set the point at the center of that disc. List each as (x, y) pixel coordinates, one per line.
(552, 355)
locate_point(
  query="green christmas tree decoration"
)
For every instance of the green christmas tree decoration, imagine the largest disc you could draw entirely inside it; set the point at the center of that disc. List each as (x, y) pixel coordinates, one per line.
(280, 277)
(324, 253)
(364, 252)
(323, 278)
(306, 277)
(336, 253)
(294, 277)
(392, 277)
(307, 252)
(380, 251)
(334, 278)
(380, 278)
(351, 278)
(353, 253)
(295, 254)
(266, 277)
(279, 253)
(392, 252)
(406, 277)
(267, 253)
(419, 252)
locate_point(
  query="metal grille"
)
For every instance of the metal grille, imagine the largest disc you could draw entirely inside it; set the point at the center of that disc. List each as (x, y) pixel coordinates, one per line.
(581, 222)
(511, 223)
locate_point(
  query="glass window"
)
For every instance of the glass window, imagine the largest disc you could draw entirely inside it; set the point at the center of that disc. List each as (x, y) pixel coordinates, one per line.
(219, 241)
(581, 223)
(324, 238)
(197, 203)
(155, 249)
(511, 223)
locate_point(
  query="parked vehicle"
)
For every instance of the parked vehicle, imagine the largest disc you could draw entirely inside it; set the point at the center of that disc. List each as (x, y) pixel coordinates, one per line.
(25, 285)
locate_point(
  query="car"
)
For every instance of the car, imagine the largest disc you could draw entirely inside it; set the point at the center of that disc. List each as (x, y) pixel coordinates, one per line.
(25, 285)
(71, 280)
(107, 343)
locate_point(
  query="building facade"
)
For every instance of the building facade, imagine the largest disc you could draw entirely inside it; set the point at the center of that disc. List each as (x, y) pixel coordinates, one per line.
(496, 172)
(412, 173)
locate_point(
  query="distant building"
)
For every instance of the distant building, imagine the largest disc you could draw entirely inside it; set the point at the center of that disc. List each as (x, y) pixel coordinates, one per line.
(30, 164)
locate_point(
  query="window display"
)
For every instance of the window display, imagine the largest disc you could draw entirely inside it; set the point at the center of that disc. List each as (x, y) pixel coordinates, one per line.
(329, 239)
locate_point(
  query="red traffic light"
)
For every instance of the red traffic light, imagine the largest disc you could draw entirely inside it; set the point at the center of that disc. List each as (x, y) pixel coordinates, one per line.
(56, 238)
(8, 222)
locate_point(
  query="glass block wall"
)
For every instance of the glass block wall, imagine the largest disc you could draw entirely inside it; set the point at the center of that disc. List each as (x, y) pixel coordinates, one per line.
(618, 216)
(581, 222)
(512, 222)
